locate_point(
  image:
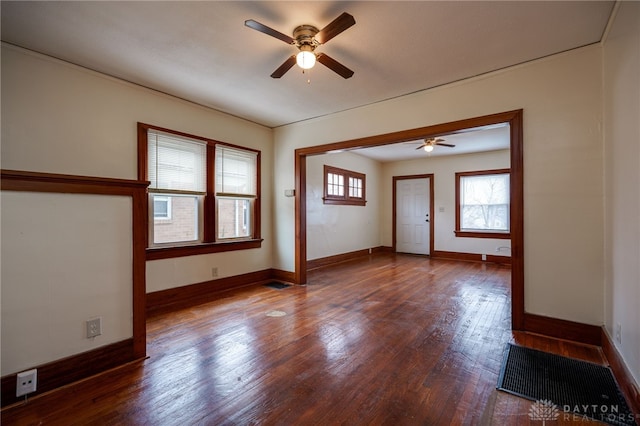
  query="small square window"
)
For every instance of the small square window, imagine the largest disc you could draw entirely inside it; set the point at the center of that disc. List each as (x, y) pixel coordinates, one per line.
(343, 187)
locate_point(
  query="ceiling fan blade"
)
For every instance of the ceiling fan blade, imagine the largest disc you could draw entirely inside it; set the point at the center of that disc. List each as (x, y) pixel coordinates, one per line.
(269, 31)
(335, 27)
(334, 65)
(445, 144)
(422, 146)
(286, 66)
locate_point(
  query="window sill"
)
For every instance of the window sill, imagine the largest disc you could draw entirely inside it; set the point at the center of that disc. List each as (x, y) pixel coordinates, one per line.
(481, 234)
(206, 248)
(343, 202)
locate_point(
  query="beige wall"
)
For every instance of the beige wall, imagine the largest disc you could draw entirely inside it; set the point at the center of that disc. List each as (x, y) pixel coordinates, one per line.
(563, 193)
(335, 229)
(66, 258)
(444, 170)
(59, 118)
(622, 179)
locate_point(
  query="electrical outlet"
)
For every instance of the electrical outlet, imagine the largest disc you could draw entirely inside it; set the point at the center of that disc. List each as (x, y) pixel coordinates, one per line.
(619, 333)
(27, 382)
(214, 272)
(94, 327)
(484, 257)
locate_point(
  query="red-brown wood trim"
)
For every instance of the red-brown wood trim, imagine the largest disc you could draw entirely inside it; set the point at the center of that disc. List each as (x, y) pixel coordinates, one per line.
(476, 234)
(563, 329)
(503, 260)
(209, 219)
(479, 234)
(257, 204)
(345, 199)
(381, 249)
(336, 258)
(64, 371)
(515, 120)
(13, 180)
(140, 238)
(394, 212)
(280, 275)
(517, 219)
(300, 201)
(210, 211)
(195, 294)
(623, 376)
(157, 253)
(17, 180)
(452, 255)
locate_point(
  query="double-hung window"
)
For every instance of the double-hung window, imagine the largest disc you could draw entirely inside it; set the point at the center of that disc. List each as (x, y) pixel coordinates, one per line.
(483, 204)
(204, 195)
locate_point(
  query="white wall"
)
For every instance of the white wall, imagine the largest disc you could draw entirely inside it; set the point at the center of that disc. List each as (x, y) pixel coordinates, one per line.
(59, 118)
(563, 194)
(622, 178)
(333, 229)
(444, 169)
(66, 258)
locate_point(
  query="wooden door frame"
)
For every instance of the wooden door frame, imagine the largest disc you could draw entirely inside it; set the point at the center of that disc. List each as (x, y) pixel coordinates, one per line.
(395, 179)
(513, 118)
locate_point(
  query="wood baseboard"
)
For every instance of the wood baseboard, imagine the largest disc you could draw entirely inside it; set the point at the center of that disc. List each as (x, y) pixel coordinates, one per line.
(193, 294)
(471, 257)
(329, 260)
(381, 249)
(440, 254)
(623, 376)
(286, 276)
(563, 329)
(64, 371)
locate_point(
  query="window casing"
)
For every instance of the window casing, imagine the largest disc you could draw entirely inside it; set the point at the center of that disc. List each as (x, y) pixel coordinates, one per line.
(483, 204)
(344, 187)
(204, 195)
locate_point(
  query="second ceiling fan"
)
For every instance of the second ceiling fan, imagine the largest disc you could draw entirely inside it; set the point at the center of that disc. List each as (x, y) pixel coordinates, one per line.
(429, 144)
(306, 38)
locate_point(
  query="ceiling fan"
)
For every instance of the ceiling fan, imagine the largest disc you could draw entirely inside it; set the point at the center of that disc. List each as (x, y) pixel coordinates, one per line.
(306, 38)
(430, 143)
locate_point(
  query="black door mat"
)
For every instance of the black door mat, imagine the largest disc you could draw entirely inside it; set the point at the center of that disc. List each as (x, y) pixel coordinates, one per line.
(277, 285)
(560, 384)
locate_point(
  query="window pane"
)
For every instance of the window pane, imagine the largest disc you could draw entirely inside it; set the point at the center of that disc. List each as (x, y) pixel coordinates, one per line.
(182, 224)
(161, 207)
(234, 217)
(236, 171)
(355, 187)
(484, 202)
(176, 163)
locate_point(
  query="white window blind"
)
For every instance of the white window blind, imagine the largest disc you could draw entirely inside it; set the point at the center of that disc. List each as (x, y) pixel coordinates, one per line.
(236, 171)
(176, 164)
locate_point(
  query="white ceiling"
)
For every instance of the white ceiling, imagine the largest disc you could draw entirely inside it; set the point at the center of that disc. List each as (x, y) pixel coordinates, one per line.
(202, 52)
(490, 138)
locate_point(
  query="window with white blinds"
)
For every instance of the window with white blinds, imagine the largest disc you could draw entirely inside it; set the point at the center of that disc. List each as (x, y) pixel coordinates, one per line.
(176, 164)
(236, 171)
(236, 189)
(177, 170)
(201, 192)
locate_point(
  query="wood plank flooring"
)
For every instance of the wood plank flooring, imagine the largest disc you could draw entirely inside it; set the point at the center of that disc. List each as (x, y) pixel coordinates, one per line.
(383, 340)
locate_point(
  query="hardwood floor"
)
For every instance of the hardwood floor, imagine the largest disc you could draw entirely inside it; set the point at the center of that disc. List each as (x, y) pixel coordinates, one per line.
(386, 339)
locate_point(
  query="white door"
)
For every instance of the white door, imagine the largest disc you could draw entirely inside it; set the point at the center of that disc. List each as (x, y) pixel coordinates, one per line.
(412, 215)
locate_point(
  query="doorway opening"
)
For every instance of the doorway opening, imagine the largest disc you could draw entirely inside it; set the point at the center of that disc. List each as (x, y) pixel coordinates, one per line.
(512, 118)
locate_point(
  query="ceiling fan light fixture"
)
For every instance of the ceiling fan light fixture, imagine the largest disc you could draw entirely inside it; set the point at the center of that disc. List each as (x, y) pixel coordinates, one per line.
(428, 148)
(306, 59)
